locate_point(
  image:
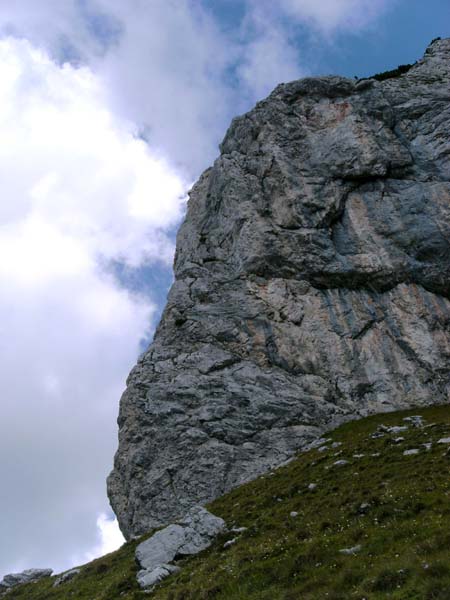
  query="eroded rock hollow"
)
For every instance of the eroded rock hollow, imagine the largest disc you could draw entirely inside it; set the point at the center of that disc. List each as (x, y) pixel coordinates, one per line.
(312, 285)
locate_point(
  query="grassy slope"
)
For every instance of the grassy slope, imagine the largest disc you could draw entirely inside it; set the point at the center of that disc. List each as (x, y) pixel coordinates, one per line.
(404, 532)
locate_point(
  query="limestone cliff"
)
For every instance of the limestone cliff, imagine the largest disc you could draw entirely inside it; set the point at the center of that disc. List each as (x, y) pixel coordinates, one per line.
(312, 285)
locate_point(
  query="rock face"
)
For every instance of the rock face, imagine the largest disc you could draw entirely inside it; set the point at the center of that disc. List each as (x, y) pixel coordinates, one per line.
(312, 285)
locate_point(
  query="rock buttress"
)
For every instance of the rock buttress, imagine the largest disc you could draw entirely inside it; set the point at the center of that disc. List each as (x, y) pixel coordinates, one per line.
(312, 285)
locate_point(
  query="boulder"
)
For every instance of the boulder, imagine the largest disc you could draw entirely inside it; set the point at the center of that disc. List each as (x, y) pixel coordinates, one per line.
(192, 534)
(65, 577)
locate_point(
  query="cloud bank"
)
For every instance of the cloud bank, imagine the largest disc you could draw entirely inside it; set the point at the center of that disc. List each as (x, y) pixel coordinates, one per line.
(79, 191)
(333, 15)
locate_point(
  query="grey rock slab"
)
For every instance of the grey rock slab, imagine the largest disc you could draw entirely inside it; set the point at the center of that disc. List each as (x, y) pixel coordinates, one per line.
(200, 529)
(415, 420)
(445, 440)
(411, 452)
(29, 575)
(340, 463)
(311, 287)
(192, 534)
(65, 577)
(318, 442)
(397, 429)
(351, 551)
(161, 548)
(148, 579)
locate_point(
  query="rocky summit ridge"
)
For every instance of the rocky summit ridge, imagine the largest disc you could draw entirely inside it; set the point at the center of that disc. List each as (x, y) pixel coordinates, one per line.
(312, 286)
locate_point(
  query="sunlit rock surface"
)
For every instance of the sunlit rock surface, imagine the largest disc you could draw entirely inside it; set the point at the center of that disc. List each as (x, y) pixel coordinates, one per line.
(312, 285)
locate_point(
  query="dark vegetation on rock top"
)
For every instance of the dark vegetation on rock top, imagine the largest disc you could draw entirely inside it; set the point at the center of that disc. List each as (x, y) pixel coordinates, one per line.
(397, 72)
(400, 70)
(388, 511)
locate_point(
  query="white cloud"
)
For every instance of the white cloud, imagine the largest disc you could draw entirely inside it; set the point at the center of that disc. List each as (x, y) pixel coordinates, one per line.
(162, 63)
(268, 56)
(79, 191)
(110, 537)
(67, 29)
(85, 172)
(269, 52)
(167, 70)
(331, 15)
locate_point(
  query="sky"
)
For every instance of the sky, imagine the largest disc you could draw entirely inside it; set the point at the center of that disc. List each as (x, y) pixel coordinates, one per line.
(109, 111)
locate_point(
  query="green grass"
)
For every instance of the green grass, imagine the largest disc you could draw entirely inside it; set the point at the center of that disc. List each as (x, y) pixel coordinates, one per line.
(404, 532)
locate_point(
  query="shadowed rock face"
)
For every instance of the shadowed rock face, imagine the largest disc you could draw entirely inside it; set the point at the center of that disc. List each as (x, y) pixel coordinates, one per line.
(312, 285)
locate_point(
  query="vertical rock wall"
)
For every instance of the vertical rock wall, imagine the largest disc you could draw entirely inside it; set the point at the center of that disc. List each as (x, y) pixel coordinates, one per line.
(312, 285)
